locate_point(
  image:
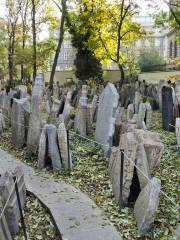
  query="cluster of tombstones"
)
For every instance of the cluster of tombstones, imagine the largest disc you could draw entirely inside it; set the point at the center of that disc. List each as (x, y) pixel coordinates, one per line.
(128, 131)
(9, 206)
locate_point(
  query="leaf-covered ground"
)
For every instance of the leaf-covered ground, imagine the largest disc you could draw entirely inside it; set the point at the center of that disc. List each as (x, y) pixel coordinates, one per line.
(38, 222)
(90, 174)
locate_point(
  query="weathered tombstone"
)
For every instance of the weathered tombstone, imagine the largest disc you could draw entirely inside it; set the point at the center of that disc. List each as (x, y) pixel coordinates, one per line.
(152, 145)
(55, 108)
(108, 103)
(137, 101)
(148, 116)
(167, 109)
(12, 211)
(56, 90)
(143, 172)
(67, 107)
(146, 205)
(2, 122)
(141, 116)
(35, 116)
(18, 173)
(178, 131)
(177, 237)
(53, 150)
(4, 229)
(63, 144)
(162, 83)
(19, 122)
(23, 91)
(43, 147)
(81, 117)
(94, 108)
(88, 119)
(130, 111)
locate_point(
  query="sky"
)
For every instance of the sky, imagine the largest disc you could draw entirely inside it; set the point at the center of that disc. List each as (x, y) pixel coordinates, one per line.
(144, 9)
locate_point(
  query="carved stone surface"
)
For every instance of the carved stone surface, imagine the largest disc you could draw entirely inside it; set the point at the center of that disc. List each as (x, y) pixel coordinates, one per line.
(146, 205)
(167, 109)
(152, 145)
(162, 83)
(53, 150)
(108, 103)
(63, 145)
(137, 101)
(142, 166)
(43, 146)
(148, 117)
(19, 122)
(178, 131)
(130, 111)
(35, 116)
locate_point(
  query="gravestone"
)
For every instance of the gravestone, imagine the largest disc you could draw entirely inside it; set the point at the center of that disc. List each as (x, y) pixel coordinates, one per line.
(94, 108)
(2, 122)
(162, 83)
(4, 229)
(19, 122)
(35, 116)
(43, 146)
(152, 145)
(141, 116)
(178, 131)
(53, 150)
(130, 111)
(108, 103)
(67, 107)
(146, 205)
(167, 109)
(63, 144)
(137, 101)
(142, 166)
(12, 214)
(148, 116)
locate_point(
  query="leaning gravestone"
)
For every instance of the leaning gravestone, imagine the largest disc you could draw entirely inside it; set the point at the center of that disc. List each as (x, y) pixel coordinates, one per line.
(148, 115)
(63, 144)
(137, 101)
(43, 146)
(108, 103)
(146, 205)
(35, 117)
(167, 109)
(53, 150)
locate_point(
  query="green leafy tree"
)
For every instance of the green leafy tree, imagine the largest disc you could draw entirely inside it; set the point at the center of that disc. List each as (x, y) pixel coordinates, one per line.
(150, 59)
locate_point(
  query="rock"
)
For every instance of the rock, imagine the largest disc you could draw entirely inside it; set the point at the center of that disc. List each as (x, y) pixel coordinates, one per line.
(105, 124)
(53, 150)
(146, 205)
(142, 166)
(43, 148)
(63, 144)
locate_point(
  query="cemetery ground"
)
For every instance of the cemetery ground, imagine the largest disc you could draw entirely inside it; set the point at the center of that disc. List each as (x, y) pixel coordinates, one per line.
(90, 174)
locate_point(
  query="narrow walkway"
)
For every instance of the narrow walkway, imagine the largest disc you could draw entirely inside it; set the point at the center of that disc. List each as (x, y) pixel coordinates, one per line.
(76, 216)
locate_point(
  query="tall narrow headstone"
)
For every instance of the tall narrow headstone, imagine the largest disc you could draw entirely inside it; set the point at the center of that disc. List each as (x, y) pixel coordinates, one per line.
(108, 103)
(167, 109)
(35, 117)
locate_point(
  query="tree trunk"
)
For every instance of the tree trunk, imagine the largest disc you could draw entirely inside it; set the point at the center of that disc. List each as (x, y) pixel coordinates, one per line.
(60, 41)
(122, 75)
(34, 39)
